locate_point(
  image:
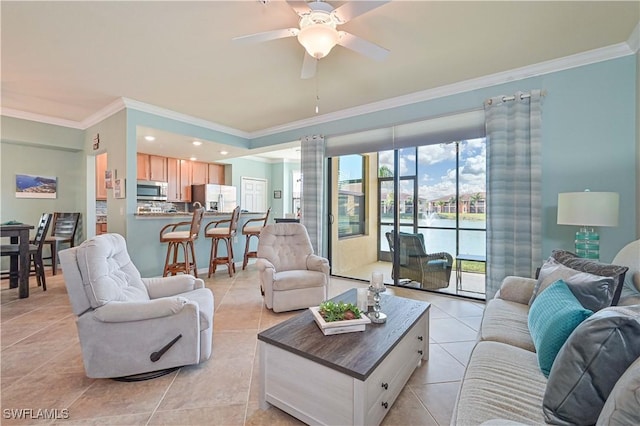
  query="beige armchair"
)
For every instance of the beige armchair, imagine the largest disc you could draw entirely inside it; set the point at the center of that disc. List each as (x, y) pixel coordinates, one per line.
(128, 325)
(291, 275)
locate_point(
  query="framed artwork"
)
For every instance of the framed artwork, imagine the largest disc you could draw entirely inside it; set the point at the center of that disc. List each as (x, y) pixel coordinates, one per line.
(35, 186)
(108, 179)
(277, 194)
(118, 188)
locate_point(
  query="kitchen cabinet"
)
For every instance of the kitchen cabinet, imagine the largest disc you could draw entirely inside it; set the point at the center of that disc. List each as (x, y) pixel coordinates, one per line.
(185, 180)
(173, 179)
(143, 166)
(216, 174)
(199, 173)
(101, 228)
(101, 167)
(178, 180)
(157, 168)
(152, 167)
(179, 174)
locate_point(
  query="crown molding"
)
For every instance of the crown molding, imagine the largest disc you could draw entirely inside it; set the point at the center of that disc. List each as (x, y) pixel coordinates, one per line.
(104, 113)
(46, 119)
(585, 58)
(554, 65)
(184, 118)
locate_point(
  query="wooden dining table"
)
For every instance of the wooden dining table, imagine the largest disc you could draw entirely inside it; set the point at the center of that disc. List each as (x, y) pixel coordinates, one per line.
(19, 272)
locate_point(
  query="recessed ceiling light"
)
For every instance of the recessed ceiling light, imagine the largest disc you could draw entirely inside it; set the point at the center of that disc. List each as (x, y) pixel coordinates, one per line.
(197, 143)
(193, 158)
(224, 152)
(150, 138)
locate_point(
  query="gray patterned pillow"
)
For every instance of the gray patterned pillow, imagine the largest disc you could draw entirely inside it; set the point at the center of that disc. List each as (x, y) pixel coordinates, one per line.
(596, 285)
(571, 260)
(590, 363)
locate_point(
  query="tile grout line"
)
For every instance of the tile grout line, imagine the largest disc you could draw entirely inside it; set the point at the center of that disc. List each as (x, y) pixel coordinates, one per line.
(164, 394)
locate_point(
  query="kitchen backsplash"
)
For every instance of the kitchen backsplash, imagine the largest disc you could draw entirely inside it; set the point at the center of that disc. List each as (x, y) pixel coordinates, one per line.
(101, 207)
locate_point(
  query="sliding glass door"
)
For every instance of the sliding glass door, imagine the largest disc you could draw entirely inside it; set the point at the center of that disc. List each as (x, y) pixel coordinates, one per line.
(439, 209)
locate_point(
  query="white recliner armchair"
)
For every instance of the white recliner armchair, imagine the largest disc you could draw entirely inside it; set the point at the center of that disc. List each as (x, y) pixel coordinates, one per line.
(291, 275)
(128, 325)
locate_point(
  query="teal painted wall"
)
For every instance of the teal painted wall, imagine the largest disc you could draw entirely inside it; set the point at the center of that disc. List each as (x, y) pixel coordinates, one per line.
(40, 149)
(26, 132)
(279, 184)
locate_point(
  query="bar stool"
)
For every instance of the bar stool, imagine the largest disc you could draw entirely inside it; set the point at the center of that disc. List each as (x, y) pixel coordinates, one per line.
(182, 240)
(252, 231)
(222, 233)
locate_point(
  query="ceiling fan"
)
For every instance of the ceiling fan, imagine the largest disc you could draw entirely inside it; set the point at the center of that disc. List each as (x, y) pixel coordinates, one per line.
(318, 32)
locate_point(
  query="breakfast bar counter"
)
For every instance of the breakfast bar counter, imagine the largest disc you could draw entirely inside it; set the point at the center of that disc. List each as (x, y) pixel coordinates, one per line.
(148, 253)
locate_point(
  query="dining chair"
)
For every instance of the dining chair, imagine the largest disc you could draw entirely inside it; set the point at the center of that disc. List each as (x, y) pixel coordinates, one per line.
(182, 239)
(219, 233)
(63, 231)
(249, 229)
(35, 251)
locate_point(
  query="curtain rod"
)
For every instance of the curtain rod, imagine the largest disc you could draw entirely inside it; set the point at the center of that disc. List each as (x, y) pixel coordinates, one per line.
(513, 97)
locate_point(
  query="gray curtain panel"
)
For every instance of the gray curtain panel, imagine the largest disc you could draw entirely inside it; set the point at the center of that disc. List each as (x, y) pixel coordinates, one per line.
(313, 182)
(514, 239)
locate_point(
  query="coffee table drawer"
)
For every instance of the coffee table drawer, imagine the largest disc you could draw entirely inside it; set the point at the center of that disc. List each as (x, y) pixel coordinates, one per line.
(387, 381)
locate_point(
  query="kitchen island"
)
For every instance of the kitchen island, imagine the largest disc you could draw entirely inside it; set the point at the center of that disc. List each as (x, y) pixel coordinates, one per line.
(148, 253)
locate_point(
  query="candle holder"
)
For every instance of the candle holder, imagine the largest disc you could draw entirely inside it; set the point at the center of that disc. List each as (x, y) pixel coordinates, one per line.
(377, 316)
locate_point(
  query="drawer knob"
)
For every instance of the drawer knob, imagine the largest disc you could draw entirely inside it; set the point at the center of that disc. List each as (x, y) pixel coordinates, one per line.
(385, 385)
(420, 352)
(385, 405)
(420, 338)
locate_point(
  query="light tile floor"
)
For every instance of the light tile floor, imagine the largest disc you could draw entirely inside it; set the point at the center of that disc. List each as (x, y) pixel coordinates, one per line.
(41, 363)
(473, 284)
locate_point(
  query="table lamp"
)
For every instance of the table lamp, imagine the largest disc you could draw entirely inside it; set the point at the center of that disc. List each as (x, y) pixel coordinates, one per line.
(588, 209)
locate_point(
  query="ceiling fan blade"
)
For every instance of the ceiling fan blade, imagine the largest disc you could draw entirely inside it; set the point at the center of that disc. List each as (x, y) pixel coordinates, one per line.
(299, 6)
(266, 36)
(308, 66)
(362, 46)
(353, 9)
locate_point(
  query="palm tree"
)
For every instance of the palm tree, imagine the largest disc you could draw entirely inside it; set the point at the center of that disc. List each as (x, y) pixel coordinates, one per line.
(385, 172)
(452, 202)
(474, 200)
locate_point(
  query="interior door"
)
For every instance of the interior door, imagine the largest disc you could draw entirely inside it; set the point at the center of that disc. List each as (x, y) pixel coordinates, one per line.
(254, 195)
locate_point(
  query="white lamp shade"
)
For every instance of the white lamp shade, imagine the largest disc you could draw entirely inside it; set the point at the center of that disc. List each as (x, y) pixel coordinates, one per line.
(318, 39)
(588, 208)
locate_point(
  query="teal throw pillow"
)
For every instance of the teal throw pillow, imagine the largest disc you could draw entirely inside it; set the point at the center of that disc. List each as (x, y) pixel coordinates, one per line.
(553, 316)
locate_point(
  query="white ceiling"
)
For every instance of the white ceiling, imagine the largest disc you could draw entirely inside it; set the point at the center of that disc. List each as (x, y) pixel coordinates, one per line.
(68, 60)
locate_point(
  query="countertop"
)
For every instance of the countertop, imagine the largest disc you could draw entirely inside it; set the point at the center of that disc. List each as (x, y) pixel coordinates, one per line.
(189, 214)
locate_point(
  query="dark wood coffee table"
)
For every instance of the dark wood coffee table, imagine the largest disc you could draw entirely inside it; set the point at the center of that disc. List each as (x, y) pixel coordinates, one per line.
(341, 379)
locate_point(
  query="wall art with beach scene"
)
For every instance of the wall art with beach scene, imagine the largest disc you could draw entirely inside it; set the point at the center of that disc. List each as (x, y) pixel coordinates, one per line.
(34, 186)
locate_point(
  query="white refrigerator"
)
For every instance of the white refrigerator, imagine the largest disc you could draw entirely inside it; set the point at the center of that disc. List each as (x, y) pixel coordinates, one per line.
(215, 198)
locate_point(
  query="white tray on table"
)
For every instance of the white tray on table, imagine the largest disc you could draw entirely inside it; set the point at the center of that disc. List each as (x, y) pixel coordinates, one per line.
(339, 327)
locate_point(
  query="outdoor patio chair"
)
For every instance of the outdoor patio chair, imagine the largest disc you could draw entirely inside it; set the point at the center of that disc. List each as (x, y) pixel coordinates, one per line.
(431, 270)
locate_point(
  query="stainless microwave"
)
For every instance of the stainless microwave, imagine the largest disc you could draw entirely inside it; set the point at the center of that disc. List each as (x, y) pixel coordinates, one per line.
(151, 191)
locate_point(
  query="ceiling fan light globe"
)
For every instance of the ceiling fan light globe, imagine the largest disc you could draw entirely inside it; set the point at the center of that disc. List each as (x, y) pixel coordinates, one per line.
(318, 39)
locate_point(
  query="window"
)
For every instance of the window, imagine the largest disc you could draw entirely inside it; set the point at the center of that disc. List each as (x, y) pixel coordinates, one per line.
(351, 198)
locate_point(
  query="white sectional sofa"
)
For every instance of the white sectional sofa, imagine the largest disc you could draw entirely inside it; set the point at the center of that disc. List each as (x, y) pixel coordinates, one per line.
(503, 383)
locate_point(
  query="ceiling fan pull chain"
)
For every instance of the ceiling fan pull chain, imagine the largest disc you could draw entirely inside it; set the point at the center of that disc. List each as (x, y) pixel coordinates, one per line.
(317, 92)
